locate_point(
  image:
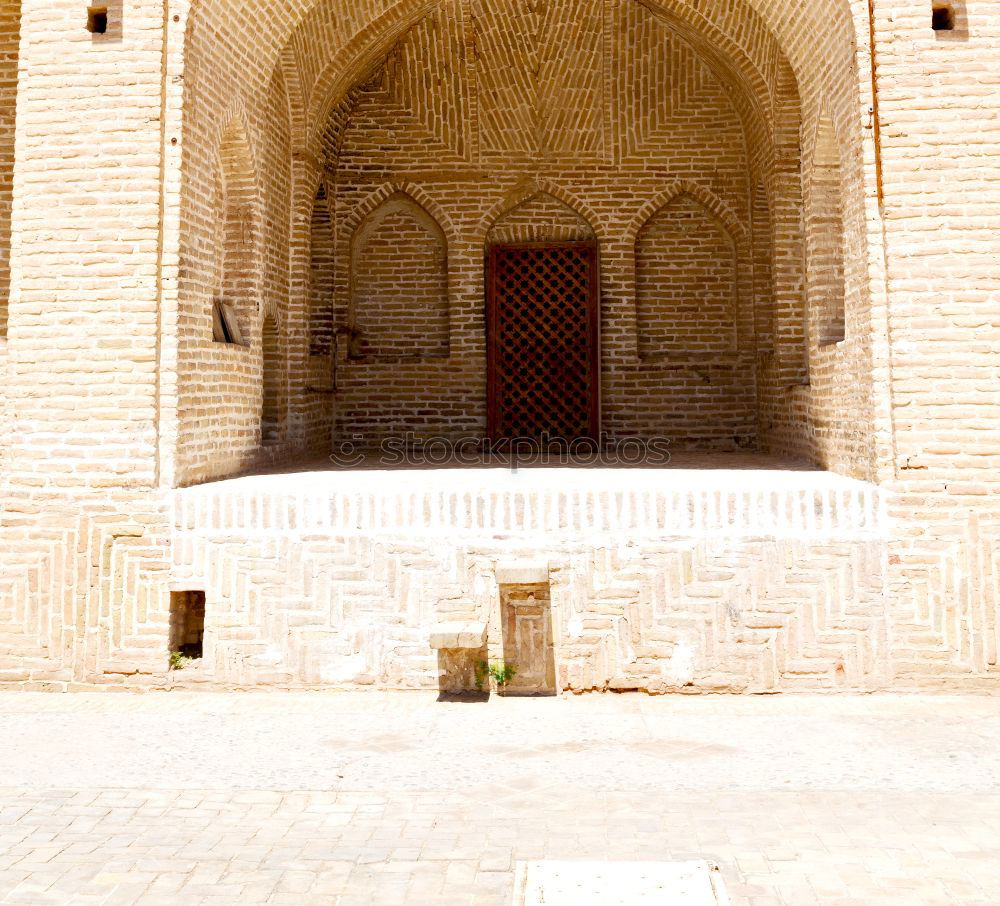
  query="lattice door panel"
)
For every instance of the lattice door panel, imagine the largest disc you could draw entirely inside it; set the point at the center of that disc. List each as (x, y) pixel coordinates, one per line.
(544, 374)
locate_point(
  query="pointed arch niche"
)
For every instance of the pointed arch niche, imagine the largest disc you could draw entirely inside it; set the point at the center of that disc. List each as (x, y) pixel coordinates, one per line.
(825, 239)
(237, 292)
(686, 280)
(399, 283)
(322, 275)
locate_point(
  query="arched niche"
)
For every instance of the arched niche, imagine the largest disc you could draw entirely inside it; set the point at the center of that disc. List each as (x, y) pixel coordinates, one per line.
(322, 275)
(237, 297)
(824, 237)
(272, 374)
(399, 283)
(686, 283)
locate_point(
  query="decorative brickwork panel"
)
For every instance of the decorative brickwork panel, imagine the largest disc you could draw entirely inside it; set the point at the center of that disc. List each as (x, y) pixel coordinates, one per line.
(543, 347)
(666, 83)
(541, 77)
(399, 283)
(686, 289)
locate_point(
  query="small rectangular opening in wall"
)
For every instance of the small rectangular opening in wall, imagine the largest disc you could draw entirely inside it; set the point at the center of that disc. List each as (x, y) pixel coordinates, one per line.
(943, 17)
(187, 624)
(97, 20)
(225, 324)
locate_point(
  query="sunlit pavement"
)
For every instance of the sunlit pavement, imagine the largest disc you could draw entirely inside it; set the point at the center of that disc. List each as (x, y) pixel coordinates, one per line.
(398, 798)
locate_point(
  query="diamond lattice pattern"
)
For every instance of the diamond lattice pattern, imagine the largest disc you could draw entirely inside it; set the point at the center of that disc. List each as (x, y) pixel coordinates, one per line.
(543, 369)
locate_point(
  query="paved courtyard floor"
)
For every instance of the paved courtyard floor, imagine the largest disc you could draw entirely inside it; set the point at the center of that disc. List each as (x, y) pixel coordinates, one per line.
(398, 798)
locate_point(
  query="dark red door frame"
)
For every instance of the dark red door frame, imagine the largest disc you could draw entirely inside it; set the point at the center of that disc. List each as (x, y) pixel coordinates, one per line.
(583, 304)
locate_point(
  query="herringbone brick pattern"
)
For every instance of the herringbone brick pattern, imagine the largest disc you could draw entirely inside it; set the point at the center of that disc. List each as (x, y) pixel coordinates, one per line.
(83, 599)
(648, 592)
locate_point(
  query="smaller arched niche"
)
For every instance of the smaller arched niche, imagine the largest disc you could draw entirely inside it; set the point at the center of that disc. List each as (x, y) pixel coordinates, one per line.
(686, 283)
(399, 283)
(540, 218)
(236, 295)
(825, 239)
(322, 277)
(763, 269)
(272, 372)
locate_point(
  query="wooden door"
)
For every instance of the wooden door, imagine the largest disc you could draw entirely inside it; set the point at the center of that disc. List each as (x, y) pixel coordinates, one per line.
(543, 343)
(526, 611)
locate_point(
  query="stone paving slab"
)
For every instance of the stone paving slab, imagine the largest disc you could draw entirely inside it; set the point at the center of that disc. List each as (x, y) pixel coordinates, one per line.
(583, 883)
(99, 801)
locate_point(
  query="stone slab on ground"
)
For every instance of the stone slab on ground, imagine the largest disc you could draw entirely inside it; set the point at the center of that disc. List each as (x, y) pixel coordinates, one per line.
(693, 883)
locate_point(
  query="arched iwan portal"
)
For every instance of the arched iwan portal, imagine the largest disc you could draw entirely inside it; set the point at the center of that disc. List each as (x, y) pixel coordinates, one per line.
(606, 104)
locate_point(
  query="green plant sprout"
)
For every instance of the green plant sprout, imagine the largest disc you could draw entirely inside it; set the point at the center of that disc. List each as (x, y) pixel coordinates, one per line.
(499, 672)
(178, 660)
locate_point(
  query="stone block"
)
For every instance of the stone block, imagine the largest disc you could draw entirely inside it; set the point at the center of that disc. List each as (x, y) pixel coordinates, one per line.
(527, 572)
(458, 635)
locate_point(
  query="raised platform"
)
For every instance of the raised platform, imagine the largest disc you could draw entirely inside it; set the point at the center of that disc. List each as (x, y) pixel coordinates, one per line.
(694, 497)
(716, 573)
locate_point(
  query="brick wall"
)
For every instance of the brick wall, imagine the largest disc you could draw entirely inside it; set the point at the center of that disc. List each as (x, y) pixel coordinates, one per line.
(609, 158)
(322, 247)
(83, 317)
(940, 141)
(221, 387)
(112, 385)
(10, 34)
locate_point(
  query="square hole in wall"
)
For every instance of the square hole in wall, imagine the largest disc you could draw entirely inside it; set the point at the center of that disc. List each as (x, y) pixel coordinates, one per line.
(97, 20)
(187, 624)
(943, 17)
(105, 21)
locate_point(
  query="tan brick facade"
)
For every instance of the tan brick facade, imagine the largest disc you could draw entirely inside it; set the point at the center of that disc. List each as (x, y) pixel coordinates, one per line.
(793, 206)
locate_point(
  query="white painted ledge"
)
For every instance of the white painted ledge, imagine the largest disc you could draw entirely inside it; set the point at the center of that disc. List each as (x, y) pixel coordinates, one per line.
(561, 503)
